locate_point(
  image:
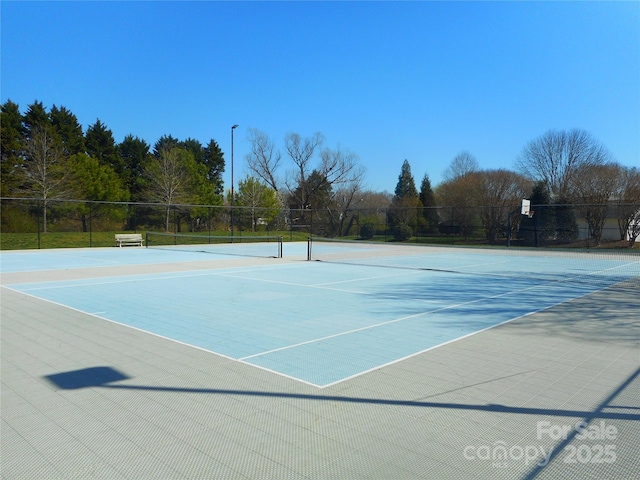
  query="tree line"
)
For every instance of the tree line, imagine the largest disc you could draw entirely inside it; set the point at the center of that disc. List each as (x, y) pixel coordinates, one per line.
(565, 174)
(305, 184)
(46, 155)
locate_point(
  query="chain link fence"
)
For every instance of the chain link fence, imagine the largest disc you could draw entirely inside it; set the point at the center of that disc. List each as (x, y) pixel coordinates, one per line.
(31, 223)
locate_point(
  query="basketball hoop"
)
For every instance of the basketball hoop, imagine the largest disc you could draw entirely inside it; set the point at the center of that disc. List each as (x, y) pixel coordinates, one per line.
(530, 213)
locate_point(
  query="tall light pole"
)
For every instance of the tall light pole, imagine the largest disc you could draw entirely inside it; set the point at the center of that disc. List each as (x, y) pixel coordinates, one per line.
(232, 192)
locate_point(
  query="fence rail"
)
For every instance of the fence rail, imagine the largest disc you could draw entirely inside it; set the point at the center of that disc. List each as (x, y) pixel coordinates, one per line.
(32, 220)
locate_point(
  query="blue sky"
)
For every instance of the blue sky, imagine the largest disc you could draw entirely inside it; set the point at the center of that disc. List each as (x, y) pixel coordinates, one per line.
(389, 81)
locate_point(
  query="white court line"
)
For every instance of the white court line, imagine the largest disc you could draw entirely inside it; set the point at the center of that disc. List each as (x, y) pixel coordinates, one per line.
(243, 359)
(290, 377)
(118, 323)
(207, 273)
(97, 315)
(236, 272)
(448, 307)
(388, 322)
(325, 286)
(50, 285)
(466, 336)
(398, 360)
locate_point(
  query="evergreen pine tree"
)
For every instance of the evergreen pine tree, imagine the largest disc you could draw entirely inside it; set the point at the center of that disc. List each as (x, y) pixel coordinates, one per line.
(134, 153)
(214, 160)
(11, 148)
(68, 129)
(100, 144)
(403, 213)
(406, 187)
(428, 201)
(36, 118)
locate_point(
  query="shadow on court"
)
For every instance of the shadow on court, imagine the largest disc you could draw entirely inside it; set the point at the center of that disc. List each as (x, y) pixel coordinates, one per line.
(107, 377)
(606, 315)
(595, 414)
(609, 315)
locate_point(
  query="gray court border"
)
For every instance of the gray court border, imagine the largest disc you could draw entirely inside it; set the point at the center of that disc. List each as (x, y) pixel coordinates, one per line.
(180, 412)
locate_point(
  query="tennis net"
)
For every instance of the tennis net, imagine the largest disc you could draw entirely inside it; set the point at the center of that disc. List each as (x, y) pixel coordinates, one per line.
(598, 268)
(246, 246)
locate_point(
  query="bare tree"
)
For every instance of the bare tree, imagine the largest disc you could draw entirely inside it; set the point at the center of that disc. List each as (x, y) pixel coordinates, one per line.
(329, 189)
(337, 167)
(459, 201)
(345, 174)
(44, 168)
(556, 156)
(316, 178)
(462, 164)
(374, 201)
(497, 193)
(168, 177)
(345, 200)
(301, 151)
(628, 203)
(593, 187)
(341, 167)
(264, 159)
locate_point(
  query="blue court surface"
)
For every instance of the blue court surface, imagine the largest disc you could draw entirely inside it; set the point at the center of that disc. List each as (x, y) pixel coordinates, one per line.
(322, 322)
(71, 258)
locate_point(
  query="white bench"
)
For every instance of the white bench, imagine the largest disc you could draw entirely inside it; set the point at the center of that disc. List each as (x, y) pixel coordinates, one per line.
(128, 239)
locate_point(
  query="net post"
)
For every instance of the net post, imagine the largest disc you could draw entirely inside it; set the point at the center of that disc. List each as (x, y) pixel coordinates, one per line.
(309, 249)
(280, 239)
(146, 239)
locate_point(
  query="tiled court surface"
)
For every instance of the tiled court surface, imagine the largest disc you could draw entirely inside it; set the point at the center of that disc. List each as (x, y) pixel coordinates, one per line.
(86, 398)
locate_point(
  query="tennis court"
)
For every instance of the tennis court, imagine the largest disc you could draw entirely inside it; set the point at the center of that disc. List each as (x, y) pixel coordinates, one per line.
(325, 321)
(327, 314)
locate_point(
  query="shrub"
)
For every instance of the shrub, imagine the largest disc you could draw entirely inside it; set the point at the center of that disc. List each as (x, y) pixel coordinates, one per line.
(402, 232)
(367, 231)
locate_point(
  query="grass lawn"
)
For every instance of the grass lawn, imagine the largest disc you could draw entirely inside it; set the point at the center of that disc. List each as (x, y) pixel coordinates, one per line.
(24, 241)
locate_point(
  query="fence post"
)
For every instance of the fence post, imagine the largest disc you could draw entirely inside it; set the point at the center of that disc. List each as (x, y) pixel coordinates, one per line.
(386, 223)
(175, 220)
(535, 227)
(90, 224)
(38, 220)
(135, 218)
(451, 231)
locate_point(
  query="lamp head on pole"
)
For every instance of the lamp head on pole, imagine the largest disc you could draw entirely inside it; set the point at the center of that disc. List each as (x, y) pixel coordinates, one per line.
(235, 126)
